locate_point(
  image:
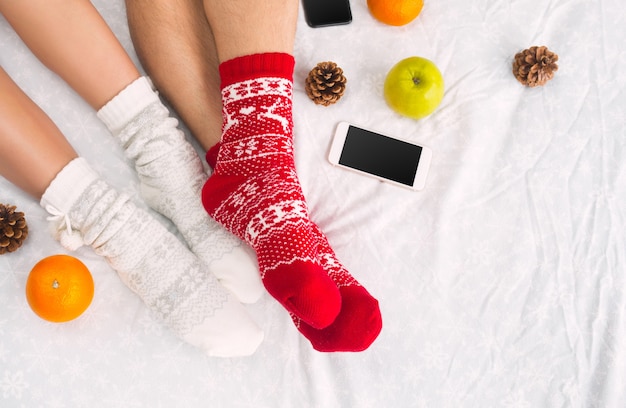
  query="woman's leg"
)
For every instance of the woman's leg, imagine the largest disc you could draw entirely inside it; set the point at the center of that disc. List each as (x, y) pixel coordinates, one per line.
(152, 262)
(38, 148)
(72, 39)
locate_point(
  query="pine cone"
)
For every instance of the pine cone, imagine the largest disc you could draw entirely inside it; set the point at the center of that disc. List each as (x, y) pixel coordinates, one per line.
(325, 83)
(535, 66)
(13, 229)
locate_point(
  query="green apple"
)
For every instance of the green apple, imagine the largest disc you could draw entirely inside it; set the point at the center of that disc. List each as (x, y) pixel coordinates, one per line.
(414, 87)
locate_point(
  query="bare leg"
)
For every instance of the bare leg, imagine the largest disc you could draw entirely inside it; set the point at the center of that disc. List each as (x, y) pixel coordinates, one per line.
(72, 39)
(38, 148)
(244, 27)
(175, 45)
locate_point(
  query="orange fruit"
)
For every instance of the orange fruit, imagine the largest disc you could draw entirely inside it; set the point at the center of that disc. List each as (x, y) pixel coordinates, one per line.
(59, 288)
(395, 12)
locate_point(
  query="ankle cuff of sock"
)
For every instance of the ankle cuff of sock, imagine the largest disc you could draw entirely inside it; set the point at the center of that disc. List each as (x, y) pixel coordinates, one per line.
(68, 186)
(271, 64)
(127, 104)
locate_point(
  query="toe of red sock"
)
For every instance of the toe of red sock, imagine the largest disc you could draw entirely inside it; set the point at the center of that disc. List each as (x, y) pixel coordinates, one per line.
(305, 290)
(356, 327)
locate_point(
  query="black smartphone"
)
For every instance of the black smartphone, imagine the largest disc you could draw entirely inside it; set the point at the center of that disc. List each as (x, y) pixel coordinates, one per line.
(322, 13)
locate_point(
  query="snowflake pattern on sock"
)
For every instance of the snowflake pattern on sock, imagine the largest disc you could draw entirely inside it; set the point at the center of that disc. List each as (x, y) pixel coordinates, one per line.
(174, 284)
(248, 212)
(119, 231)
(171, 176)
(255, 193)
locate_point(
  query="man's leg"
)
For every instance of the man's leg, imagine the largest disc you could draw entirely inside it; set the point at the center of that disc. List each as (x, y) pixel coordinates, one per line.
(176, 48)
(164, 33)
(254, 189)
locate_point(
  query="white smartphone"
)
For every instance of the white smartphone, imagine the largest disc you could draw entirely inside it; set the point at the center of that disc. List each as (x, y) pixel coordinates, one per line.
(383, 157)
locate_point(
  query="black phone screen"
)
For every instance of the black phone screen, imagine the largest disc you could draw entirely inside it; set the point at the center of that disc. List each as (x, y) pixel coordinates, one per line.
(320, 13)
(380, 155)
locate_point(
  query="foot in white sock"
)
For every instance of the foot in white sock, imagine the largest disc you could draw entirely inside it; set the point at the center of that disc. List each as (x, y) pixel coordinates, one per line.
(172, 175)
(152, 262)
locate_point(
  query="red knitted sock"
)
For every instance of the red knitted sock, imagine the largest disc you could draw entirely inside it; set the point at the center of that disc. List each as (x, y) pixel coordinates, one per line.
(359, 321)
(254, 190)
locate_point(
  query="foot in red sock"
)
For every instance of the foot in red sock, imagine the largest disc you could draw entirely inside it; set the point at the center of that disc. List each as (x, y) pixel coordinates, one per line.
(359, 321)
(254, 190)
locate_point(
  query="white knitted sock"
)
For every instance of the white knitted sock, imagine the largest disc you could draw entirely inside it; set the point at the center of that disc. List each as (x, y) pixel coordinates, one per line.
(152, 262)
(172, 175)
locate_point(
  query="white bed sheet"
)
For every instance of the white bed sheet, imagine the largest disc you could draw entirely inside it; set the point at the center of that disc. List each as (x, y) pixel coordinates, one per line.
(501, 284)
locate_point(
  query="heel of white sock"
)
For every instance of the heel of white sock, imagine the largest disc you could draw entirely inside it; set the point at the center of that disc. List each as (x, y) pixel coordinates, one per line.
(230, 332)
(238, 272)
